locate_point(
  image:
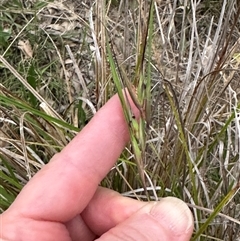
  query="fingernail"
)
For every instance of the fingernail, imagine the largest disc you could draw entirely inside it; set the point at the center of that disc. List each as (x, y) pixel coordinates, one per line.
(174, 215)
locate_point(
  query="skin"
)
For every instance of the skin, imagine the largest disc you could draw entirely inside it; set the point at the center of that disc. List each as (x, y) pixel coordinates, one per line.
(64, 202)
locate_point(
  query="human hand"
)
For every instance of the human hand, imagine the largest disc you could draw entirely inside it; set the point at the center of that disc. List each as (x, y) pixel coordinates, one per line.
(63, 201)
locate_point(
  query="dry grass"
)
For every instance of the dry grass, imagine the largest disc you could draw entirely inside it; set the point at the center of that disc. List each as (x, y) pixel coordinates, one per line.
(191, 144)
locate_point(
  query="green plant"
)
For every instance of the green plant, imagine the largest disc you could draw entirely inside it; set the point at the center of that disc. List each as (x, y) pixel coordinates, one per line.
(179, 62)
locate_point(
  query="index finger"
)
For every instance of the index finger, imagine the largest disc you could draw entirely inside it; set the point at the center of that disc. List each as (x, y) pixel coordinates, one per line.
(63, 188)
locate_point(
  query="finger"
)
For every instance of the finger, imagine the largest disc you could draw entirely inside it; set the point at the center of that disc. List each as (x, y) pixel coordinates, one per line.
(168, 220)
(78, 230)
(102, 214)
(107, 209)
(73, 175)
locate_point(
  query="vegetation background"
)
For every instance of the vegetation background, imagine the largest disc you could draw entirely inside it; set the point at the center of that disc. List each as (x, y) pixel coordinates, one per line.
(60, 61)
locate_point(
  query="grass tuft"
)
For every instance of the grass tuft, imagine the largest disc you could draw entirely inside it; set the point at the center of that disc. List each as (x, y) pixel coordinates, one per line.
(59, 63)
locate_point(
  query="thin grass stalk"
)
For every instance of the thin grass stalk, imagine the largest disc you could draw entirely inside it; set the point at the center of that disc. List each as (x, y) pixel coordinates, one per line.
(197, 103)
(183, 139)
(24, 149)
(8, 101)
(137, 129)
(102, 88)
(98, 58)
(28, 86)
(105, 88)
(147, 102)
(10, 180)
(216, 211)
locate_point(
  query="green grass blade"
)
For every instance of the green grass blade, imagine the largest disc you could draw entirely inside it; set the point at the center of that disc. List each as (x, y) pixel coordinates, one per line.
(7, 101)
(5, 177)
(219, 207)
(117, 81)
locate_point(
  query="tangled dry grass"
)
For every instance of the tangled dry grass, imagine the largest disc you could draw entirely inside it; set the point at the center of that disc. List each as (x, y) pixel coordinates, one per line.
(60, 76)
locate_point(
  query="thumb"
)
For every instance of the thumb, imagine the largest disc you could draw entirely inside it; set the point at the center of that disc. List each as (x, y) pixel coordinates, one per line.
(167, 220)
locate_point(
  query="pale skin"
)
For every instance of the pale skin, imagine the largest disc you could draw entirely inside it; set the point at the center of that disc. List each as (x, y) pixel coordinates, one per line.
(64, 202)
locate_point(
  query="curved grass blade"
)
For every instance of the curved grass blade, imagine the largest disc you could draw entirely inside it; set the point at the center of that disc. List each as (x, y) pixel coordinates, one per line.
(7, 101)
